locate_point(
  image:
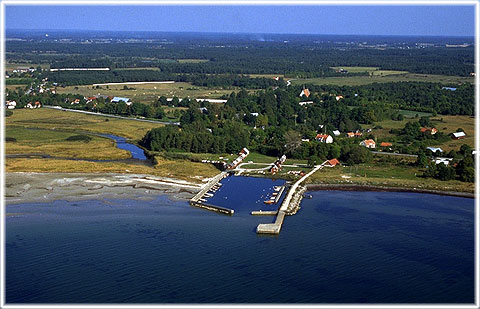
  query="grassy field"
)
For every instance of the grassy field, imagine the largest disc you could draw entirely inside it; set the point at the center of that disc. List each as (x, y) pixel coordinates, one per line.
(397, 77)
(192, 60)
(448, 125)
(148, 93)
(388, 176)
(375, 71)
(9, 67)
(165, 168)
(45, 131)
(55, 119)
(413, 114)
(55, 143)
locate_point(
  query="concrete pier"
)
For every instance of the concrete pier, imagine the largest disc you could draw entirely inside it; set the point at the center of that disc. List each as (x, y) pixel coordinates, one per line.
(286, 208)
(263, 213)
(215, 208)
(215, 180)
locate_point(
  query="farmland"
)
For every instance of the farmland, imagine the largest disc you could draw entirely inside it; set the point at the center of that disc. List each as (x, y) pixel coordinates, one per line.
(148, 93)
(387, 77)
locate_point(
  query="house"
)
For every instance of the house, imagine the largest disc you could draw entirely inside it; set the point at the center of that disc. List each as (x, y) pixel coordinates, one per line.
(445, 161)
(254, 114)
(458, 135)
(76, 101)
(306, 140)
(118, 99)
(350, 134)
(435, 149)
(336, 133)
(305, 103)
(339, 97)
(324, 138)
(385, 144)
(369, 143)
(11, 104)
(29, 105)
(276, 78)
(305, 92)
(203, 110)
(432, 131)
(357, 134)
(331, 163)
(37, 105)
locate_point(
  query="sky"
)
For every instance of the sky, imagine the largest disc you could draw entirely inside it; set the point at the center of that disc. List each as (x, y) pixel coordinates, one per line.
(320, 19)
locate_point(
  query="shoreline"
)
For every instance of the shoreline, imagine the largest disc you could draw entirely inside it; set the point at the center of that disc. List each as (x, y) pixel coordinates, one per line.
(359, 187)
(30, 187)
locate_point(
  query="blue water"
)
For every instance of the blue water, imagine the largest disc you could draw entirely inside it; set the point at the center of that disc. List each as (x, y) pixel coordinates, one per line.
(341, 247)
(137, 152)
(245, 194)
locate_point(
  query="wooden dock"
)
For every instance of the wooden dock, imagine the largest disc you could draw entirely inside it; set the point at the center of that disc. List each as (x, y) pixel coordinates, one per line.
(274, 228)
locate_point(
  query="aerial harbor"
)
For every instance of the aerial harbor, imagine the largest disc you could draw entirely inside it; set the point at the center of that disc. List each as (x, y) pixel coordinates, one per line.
(237, 155)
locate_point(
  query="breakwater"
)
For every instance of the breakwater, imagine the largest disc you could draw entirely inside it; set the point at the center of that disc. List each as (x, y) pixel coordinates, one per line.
(290, 205)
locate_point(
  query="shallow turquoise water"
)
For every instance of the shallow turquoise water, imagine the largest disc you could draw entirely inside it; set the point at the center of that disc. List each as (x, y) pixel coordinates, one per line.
(341, 247)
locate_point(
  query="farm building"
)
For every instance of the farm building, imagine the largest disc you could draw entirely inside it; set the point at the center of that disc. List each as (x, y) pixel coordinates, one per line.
(305, 92)
(324, 138)
(445, 161)
(432, 131)
(118, 99)
(331, 163)
(435, 149)
(458, 135)
(369, 143)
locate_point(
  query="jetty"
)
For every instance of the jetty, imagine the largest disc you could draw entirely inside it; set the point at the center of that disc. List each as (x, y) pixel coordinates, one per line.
(213, 185)
(289, 206)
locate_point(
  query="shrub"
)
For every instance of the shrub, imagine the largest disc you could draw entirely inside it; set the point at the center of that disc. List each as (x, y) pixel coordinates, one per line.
(81, 138)
(10, 139)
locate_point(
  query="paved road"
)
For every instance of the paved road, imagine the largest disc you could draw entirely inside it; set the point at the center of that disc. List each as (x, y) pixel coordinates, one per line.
(394, 154)
(112, 116)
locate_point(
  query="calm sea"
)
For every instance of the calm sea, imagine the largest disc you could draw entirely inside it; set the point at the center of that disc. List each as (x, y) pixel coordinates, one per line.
(341, 247)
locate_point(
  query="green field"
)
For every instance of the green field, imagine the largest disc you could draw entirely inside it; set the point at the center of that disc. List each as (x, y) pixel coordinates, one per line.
(448, 125)
(413, 114)
(60, 120)
(372, 70)
(363, 80)
(55, 144)
(148, 93)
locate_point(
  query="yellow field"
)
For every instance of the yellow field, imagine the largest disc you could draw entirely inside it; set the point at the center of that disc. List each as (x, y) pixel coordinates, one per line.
(186, 170)
(45, 131)
(149, 93)
(56, 119)
(55, 143)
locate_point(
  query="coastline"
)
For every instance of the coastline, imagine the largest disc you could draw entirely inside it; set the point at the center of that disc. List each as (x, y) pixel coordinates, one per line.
(359, 187)
(29, 187)
(32, 187)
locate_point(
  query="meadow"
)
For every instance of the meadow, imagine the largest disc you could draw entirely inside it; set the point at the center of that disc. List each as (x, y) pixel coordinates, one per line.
(148, 93)
(383, 77)
(445, 124)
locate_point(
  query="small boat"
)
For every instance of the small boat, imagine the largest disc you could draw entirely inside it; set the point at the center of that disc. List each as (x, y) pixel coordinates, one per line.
(269, 202)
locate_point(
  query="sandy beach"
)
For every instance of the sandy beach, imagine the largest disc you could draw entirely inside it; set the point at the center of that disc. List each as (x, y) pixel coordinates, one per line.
(44, 187)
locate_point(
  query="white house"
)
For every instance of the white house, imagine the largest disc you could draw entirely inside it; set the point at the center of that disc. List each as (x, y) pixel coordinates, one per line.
(305, 103)
(336, 133)
(118, 99)
(11, 104)
(369, 143)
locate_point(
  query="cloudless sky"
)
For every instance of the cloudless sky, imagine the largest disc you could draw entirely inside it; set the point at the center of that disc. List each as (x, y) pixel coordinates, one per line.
(321, 19)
